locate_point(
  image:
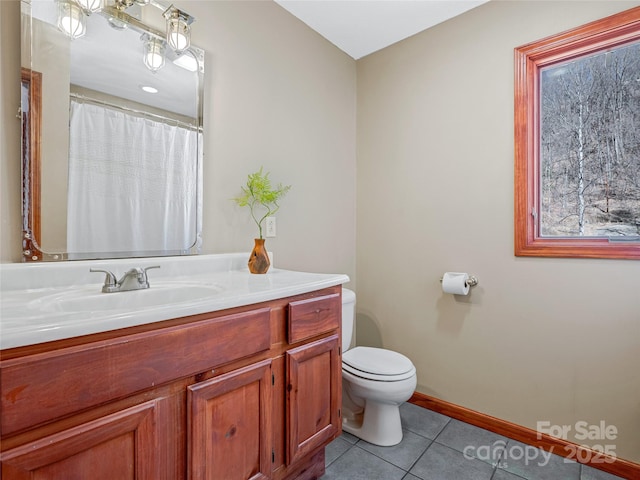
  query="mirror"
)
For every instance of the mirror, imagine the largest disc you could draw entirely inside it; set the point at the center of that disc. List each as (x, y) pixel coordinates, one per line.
(110, 170)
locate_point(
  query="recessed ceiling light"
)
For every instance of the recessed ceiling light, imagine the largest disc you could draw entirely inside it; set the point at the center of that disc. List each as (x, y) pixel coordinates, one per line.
(149, 89)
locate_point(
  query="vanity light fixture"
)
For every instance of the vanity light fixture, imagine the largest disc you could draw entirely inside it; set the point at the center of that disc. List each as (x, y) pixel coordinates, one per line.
(178, 28)
(153, 56)
(123, 4)
(71, 19)
(90, 6)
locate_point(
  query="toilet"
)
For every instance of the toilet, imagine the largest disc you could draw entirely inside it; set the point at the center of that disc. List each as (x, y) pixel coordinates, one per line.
(375, 382)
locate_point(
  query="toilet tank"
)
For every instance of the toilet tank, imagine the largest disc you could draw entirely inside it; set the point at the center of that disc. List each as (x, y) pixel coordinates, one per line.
(348, 316)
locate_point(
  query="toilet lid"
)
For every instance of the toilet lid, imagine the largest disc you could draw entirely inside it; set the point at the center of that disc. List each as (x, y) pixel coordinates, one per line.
(377, 364)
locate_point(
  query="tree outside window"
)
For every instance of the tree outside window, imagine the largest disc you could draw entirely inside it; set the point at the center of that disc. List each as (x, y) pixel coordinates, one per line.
(577, 139)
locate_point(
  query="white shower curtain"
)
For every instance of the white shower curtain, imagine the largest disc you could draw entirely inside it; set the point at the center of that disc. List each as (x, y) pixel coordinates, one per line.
(132, 183)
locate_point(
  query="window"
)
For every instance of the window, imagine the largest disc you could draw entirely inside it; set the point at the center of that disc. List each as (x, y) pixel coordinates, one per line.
(577, 142)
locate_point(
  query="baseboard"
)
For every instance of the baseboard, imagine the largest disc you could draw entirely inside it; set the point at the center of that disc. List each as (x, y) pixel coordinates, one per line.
(610, 464)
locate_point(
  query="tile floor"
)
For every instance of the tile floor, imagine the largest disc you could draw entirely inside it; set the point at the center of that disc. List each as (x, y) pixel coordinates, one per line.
(436, 447)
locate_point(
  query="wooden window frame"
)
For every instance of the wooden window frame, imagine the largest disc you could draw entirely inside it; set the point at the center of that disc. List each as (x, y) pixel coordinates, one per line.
(600, 35)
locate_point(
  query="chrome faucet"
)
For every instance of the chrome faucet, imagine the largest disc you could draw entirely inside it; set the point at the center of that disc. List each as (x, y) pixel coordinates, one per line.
(134, 279)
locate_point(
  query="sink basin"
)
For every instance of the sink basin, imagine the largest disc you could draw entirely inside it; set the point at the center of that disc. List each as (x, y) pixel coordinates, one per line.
(91, 299)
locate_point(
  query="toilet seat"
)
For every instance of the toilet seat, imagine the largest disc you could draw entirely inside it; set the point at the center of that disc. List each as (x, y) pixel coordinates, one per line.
(377, 364)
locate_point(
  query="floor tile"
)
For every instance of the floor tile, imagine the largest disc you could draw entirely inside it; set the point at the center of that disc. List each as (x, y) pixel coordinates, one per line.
(422, 421)
(349, 437)
(335, 449)
(403, 455)
(504, 475)
(408, 476)
(535, 464)
(443, 463)
(436, 447)
(357, 464)
(473, 441)
(590, 473)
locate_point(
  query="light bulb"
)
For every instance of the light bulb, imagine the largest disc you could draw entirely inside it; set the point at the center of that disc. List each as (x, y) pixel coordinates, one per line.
(178, 29)
(71, 19)
(90, 5)
(153, 54)
(178, 35)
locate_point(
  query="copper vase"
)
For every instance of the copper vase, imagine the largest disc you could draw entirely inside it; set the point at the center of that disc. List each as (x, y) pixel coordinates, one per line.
(259, 259)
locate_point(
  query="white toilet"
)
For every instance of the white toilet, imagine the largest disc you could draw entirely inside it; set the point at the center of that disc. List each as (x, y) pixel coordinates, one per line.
(375, 382)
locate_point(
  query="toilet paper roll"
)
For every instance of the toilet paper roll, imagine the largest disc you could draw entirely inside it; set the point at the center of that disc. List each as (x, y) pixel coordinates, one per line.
(456, 283)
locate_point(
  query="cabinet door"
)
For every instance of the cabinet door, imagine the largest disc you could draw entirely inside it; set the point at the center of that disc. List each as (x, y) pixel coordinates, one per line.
(230, 425)
(314, 396)
(123, 445)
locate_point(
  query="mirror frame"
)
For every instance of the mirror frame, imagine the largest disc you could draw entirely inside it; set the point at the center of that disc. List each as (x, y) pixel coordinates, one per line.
(31, 121)
(31, 155)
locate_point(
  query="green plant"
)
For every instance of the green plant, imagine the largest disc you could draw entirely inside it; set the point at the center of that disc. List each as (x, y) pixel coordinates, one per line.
(259, 196)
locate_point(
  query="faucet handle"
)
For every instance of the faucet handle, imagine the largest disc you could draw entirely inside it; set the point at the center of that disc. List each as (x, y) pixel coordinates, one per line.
(110, 281)
(146, 277)
(149, 268)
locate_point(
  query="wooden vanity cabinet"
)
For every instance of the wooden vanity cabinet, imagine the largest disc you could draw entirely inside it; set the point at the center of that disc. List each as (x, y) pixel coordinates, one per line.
(120, 445)
(230, 421)
(247, 393)
(314, 396)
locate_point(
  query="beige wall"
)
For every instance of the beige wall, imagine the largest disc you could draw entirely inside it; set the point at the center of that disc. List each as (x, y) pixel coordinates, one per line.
(10, 222)
(537, 339)
(277, 94)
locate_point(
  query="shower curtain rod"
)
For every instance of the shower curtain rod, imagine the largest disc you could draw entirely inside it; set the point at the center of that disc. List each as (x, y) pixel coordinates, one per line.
(164, 119)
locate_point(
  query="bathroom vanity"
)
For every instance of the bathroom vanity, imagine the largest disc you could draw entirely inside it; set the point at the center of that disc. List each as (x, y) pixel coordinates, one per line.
(242, 383)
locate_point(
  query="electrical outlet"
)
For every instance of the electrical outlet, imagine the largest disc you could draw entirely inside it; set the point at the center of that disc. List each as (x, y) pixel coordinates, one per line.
(270, 227)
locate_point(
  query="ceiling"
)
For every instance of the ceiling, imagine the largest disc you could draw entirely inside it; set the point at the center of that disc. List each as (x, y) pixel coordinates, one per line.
(361, 27)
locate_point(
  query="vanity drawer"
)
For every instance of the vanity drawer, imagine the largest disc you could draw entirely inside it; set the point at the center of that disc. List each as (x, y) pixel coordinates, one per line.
(43, 387)
(314, 316)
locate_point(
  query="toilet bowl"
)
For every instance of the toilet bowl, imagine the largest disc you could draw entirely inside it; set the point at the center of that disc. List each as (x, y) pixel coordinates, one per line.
(375, 382)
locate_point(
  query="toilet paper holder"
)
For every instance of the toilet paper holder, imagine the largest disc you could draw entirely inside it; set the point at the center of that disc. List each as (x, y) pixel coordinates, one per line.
(472, 281)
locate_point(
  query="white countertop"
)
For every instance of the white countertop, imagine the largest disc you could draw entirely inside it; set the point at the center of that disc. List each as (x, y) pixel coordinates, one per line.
(30, 294)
